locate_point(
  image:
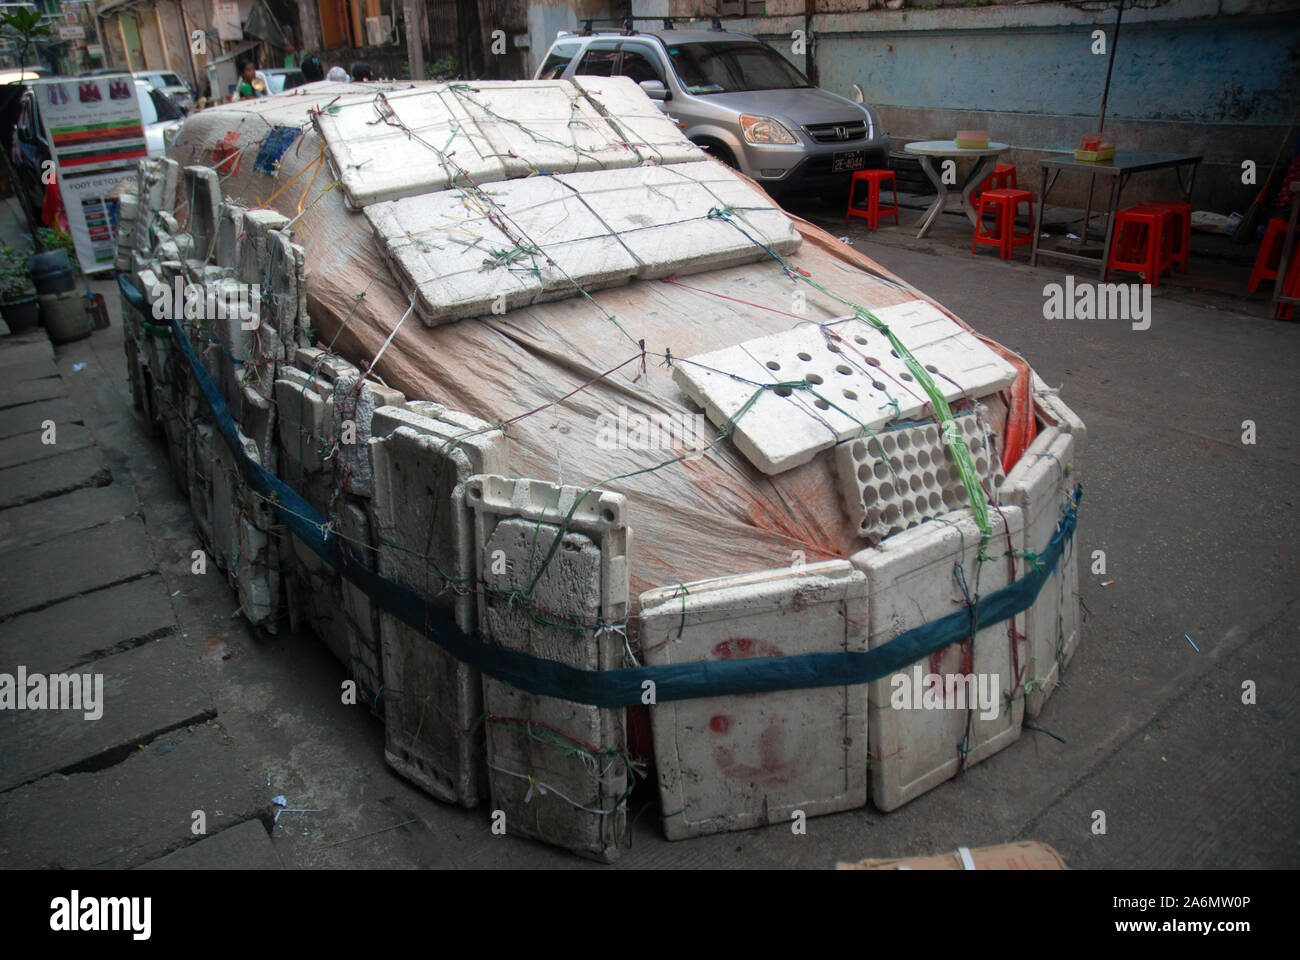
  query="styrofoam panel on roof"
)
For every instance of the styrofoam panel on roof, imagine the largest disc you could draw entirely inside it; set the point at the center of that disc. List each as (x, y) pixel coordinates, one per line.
(857, 384)
(412, 152)
(734, 762)
(911, 579)
(661, 216)
(459, 262)
(578, 800)
(530, 240)
(1040, 484)
(488, 131)
(639, 121)
(542, 126)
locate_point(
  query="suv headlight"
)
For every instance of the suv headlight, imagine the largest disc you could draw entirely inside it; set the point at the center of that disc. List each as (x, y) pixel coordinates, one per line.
(764, 130)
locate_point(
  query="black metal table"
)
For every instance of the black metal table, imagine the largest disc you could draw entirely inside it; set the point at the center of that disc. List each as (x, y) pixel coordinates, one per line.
(1123, 165)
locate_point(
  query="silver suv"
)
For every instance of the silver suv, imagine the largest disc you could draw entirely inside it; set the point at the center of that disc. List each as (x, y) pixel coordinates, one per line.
(737, 98)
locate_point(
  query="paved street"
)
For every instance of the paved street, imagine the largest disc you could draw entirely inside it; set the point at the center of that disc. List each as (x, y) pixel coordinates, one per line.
(1198, 531)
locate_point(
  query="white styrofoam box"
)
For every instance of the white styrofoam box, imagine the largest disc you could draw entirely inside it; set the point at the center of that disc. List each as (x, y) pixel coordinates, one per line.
(599, 514)
(230, 230)
(734, 762)
(329, 366)
(1050, 401)
(912, 581)
(255, 245)
(281, 297)
(225, 536)
(306, 422)
(201, 482)
(859, 384)
(638, 120)
(549, 791)
(1040, 484)
(362, 616)
(257, 420)
(424, 535)
(202, 194)
(354, 402)
(893, 480)
(315, 593)
(460, 262)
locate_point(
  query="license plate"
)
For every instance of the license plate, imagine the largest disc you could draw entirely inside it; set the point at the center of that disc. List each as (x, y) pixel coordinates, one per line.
(851, 160)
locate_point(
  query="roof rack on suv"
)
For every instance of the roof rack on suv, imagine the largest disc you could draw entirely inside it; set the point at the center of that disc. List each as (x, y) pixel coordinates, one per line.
(629, 23)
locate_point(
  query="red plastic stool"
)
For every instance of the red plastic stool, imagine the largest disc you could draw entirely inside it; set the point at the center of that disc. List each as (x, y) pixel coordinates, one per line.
(1181, 224)
(1270, 252)
(1005, 203)
(1290, 288)
(1139, 244)
(873, 211)
(1003, 177)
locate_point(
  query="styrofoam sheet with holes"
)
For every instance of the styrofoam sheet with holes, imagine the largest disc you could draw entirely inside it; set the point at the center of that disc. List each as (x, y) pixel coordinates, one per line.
(531, 240)
(896, 479)
(638, 120)
(1040, 484)
(425, 539)
(857, 383)
(911, 579)
(547, 791)
(735, 762)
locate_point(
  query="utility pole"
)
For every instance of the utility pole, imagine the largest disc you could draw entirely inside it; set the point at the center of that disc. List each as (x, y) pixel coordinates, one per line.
(411, 15)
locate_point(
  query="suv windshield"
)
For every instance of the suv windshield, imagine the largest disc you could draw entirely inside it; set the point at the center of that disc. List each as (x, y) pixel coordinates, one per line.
(163, 107)
(729, 67)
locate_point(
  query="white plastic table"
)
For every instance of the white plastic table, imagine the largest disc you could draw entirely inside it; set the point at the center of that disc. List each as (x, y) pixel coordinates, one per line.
(929, 150)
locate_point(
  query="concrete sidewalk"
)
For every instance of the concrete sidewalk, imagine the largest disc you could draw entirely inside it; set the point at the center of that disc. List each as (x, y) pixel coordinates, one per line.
(200, 715)
(81, 592)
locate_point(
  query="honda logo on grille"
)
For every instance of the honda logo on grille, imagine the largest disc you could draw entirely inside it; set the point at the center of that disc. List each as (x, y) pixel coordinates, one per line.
(841, 133)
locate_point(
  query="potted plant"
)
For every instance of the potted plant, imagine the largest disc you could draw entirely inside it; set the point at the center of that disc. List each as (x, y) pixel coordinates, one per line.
(18, 303)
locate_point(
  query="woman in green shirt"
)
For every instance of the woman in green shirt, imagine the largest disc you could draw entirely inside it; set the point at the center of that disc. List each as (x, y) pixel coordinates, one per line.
(250, 85)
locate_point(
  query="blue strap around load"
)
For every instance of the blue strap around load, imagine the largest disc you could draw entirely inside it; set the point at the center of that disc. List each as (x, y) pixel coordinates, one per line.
(623, 687)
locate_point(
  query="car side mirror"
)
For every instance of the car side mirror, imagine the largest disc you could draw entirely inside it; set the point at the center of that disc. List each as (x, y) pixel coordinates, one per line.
(655, 90)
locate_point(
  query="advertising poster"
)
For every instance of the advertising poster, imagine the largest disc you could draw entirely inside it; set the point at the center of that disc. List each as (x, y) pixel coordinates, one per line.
(96, 135)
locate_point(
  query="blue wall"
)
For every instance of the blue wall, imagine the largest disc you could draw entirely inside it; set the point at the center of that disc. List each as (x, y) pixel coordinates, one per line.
(1231, 70)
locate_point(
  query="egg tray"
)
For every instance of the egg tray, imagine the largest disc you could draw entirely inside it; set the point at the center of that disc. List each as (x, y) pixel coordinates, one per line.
(894, 480)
